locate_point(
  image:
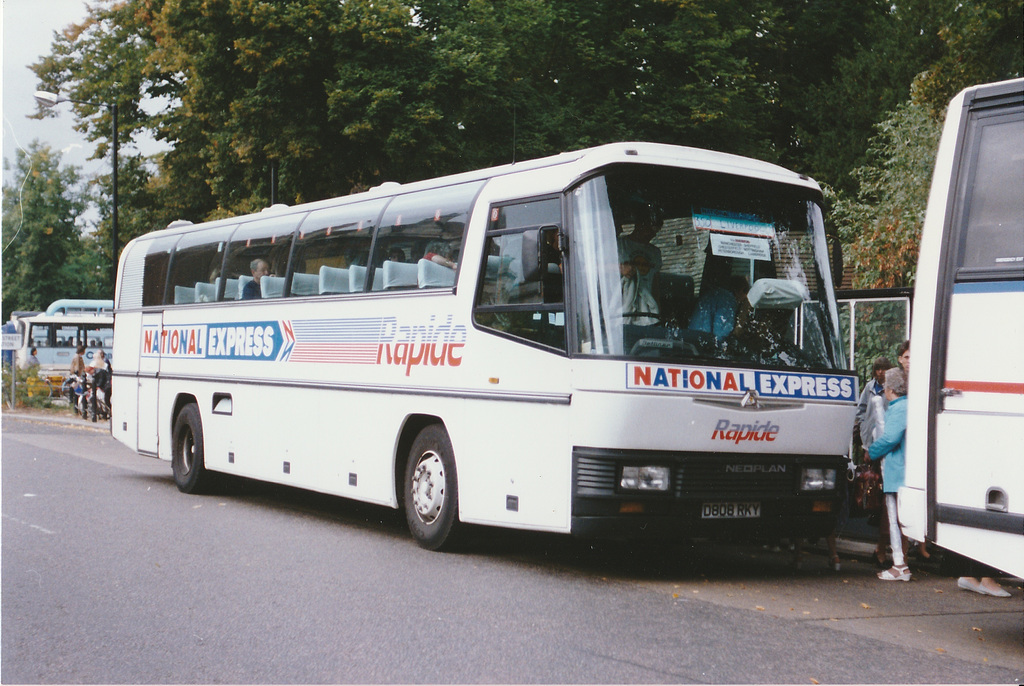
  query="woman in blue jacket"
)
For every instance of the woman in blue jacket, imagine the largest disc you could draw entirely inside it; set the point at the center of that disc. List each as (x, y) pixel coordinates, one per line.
(891, 447)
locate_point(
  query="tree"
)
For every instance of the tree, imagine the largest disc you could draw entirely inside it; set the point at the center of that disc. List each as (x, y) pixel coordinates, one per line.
(882, 225)
(45, 256)
(981, 43)
(881, 221)
(329, 96)
(105, 60)
(337, 95)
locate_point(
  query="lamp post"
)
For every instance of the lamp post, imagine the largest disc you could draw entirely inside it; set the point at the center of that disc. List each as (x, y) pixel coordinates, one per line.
(47, 99)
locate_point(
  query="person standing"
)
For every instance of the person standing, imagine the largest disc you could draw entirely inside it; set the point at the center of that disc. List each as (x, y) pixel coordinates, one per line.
(100, 379)
(77, 370)
(890, 447)
(866, 420)
(903, 357)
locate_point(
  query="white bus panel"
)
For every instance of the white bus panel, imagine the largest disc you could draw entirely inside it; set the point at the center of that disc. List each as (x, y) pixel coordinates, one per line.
(965, 463)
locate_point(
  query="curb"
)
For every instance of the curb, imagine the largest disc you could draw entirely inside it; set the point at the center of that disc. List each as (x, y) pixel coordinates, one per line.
(99, 427)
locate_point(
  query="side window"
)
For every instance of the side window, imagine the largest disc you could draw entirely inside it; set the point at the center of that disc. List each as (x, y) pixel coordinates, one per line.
(332, 249)
(419, 242)
(257, 260)
(154, 276)
(67, 336)
(993, 203)
(195, 266)
(103, 335)
(522, 275)
(40, 335)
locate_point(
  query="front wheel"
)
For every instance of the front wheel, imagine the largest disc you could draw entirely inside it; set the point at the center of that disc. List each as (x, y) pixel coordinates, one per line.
(187, 458)
(431, 495)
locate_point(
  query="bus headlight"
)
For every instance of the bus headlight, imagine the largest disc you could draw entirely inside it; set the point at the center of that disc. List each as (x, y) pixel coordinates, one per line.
(644, 478)
(817, 479)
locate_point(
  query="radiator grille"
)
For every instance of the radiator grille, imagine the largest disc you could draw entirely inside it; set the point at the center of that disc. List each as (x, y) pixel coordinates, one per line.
(695, 474)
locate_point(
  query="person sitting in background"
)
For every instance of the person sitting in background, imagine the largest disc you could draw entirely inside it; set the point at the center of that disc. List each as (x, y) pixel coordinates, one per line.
(251, 290)
(719, 306)
(440, 252)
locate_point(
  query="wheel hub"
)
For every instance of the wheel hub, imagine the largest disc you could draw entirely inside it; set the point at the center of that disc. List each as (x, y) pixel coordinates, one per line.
(428, 487)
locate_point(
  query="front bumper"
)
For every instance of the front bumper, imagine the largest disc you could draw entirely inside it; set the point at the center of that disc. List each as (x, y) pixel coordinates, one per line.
(602, 509)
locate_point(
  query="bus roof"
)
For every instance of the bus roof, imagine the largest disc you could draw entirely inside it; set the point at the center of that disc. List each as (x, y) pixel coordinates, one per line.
(575, 164)
(79, 306)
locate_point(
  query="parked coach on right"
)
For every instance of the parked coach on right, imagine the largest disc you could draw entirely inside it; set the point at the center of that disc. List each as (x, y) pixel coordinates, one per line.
(965, 460)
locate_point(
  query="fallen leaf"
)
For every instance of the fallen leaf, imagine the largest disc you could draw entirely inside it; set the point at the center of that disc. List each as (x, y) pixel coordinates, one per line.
(938, 590)
(759, 608)
(815, 681)
(675, 595)
(940, 650)
(975, 628)
(807, 612)
(865, 606)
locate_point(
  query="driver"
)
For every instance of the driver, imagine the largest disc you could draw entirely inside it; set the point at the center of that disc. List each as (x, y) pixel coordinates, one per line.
(639, 261)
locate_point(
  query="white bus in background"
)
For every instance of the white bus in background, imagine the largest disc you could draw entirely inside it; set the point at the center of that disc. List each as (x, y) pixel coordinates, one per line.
(57, 333)
(965, 431)
(504, 347)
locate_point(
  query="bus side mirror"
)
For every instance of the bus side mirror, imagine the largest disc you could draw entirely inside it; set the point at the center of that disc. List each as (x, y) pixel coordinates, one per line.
(538, 249)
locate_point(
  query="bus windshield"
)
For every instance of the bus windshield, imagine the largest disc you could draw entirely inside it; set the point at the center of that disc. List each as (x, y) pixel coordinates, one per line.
(687, 265)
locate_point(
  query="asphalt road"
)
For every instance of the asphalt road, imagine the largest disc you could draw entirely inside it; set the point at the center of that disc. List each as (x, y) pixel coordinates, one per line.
(110, 575)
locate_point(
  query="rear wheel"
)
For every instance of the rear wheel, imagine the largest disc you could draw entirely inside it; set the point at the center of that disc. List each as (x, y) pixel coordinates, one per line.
(431, 495)
(187, 458)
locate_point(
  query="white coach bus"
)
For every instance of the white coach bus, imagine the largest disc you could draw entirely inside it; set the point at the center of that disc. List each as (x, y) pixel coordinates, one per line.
(66, 324)
(965, 460)
(632, 339)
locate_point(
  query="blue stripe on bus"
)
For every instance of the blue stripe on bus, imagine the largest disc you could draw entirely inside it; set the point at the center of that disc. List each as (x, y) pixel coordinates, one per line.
(989, 287)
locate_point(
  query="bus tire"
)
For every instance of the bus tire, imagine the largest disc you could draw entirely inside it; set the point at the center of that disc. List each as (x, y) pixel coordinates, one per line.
(431, 496)
(188, 457)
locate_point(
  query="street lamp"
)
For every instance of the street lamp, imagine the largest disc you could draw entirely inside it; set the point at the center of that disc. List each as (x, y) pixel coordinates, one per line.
(47, 99)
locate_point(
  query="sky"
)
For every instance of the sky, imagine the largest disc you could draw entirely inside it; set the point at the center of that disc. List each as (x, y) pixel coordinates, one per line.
(28, 28)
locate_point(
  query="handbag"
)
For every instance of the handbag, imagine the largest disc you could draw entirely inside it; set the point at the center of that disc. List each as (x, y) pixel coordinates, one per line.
(867, 488)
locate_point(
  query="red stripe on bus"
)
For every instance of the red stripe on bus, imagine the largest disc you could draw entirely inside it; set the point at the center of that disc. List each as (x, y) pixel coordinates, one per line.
(986, 387)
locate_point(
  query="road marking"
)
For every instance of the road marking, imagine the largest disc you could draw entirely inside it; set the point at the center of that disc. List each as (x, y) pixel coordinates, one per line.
(30, 525)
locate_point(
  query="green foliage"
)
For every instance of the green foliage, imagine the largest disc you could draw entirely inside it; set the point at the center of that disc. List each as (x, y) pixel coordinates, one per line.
(30, 390)
(45, 256)
(882, 226)
(982, 42)
(332, 96)
(881, 328)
